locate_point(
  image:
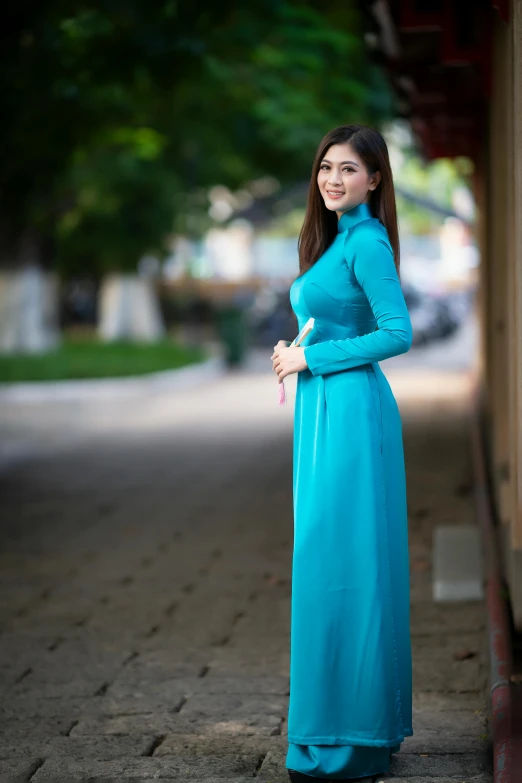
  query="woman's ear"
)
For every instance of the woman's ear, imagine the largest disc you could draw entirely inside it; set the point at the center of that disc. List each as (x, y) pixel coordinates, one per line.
(375, 179)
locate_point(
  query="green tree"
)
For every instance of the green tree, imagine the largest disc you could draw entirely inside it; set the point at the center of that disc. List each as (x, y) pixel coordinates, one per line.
(122, 113)
(129, 107)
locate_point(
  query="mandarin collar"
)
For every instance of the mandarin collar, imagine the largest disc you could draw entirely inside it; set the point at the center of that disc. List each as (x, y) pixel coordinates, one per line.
(354, 215)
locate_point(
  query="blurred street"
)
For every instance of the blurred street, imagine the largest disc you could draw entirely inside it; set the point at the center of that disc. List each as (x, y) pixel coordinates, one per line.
(146, 548)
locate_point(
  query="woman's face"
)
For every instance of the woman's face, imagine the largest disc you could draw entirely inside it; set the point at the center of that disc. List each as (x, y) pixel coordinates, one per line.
(343, 180)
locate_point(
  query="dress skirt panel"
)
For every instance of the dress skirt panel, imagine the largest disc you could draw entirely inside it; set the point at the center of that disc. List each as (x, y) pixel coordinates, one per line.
(395, 485)
(343, 626)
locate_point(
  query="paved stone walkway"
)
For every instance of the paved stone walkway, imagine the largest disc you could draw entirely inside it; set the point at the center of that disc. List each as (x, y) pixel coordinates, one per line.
(145, 556)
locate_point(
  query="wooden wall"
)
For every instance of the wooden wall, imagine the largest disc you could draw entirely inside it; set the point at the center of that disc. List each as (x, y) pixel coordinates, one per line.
(499, 195)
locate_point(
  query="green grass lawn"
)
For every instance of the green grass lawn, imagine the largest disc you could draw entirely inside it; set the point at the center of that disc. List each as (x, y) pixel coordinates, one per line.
(87, 357)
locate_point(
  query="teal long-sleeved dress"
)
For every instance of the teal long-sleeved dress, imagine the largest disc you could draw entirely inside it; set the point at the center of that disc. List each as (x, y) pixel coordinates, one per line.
(350, 701)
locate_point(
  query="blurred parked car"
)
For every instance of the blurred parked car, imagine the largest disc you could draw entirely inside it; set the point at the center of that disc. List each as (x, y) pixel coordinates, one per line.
(434, 315)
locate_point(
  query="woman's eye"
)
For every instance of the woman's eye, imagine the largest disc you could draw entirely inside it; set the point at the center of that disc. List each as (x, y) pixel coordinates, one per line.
(325, 167)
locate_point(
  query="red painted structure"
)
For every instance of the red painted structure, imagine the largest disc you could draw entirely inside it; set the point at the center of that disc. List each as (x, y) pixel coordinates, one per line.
(441, 69)
(506, 694)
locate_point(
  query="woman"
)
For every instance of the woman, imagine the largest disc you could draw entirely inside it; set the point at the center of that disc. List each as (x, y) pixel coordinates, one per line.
(350, 662)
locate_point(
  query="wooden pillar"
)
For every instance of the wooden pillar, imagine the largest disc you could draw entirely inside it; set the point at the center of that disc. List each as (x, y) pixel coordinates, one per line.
(515, 260)
(497, 281)
(502, 280)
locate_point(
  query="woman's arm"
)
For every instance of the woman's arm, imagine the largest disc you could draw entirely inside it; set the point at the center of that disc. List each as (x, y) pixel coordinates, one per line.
(375, 271)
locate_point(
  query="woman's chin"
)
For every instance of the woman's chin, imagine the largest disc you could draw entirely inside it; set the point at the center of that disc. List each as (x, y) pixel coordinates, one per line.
(333, 206)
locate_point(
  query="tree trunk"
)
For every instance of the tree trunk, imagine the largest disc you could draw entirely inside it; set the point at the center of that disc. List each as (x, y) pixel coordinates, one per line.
(29, 309)
(129, 309)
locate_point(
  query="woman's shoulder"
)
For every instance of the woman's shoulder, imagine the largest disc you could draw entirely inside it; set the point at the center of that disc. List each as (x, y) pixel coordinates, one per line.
(366, 232)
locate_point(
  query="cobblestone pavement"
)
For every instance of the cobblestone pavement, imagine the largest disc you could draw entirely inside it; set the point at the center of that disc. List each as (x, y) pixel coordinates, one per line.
(145, 586)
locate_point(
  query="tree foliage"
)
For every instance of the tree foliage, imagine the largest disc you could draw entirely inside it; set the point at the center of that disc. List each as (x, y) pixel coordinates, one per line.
(122, 113)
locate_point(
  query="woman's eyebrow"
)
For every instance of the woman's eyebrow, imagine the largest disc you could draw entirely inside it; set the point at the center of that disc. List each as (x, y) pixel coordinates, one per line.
(325, 160)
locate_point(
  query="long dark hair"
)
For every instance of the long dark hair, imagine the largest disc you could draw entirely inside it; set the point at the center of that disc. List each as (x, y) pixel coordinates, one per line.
(320, 224)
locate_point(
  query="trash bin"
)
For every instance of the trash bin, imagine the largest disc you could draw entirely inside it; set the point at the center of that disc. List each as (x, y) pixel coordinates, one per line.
(231, 327)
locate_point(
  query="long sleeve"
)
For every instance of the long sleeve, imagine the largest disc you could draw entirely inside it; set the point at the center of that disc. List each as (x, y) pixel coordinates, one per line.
(374, 268)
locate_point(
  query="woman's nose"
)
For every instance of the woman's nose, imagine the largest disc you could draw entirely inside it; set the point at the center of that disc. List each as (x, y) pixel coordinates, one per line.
(334, 179)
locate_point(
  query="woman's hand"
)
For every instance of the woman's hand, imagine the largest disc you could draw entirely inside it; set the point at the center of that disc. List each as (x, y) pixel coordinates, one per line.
(286, 359)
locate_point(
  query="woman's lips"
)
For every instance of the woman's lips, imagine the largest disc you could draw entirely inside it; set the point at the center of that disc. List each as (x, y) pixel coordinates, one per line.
(334, 194)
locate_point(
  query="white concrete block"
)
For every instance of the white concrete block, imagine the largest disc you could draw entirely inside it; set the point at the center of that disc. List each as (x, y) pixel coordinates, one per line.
(458, 568)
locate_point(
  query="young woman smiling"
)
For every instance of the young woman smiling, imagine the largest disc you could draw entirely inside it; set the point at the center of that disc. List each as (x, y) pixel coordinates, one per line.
(350, 653)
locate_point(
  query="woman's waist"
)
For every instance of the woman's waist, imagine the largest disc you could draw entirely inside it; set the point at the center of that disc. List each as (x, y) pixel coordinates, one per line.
(349, 375)
(320, 333)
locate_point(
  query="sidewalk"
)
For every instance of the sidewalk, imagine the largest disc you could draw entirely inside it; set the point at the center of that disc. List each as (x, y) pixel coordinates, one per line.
(145, 561)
